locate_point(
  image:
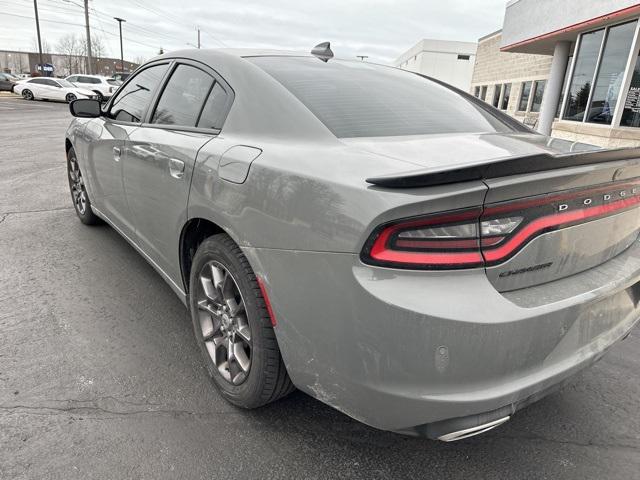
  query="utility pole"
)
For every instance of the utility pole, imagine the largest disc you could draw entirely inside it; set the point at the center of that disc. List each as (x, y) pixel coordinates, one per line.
(120, 20)
(35, 6)
(86, 22)
(198, 28)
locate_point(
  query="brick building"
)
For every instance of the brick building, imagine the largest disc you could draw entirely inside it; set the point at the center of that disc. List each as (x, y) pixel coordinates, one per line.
(569, 68)
(513, 82)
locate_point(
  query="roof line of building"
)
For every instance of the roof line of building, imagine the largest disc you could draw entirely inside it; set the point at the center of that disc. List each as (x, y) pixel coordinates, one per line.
(489, 35)
(576, 26)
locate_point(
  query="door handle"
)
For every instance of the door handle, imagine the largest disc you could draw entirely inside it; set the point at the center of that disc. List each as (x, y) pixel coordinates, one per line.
(176, 168)
(116, 153)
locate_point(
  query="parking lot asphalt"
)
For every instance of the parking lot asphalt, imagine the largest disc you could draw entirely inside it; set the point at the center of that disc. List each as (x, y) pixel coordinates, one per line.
(100, 376)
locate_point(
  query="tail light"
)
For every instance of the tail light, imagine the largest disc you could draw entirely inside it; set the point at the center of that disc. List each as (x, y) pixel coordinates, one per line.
(486, 236)
(449, 240)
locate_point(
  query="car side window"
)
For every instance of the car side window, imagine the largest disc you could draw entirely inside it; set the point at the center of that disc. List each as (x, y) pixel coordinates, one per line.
(51, 83)
(39, 81)
(72, 79)
(132, 101)
(215, 109)
(183, 96)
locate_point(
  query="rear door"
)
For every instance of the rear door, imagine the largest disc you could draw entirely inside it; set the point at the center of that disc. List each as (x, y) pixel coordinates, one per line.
(107, 149)
(161, 155)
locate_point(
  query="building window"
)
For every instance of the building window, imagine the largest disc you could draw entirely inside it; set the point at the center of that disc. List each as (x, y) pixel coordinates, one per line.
(610, 73)
(483, 93)
(631, 111)
(524, 97)
(464, 57)
(585, 66)
(567, 72)
(506, 91)
(598, 72)
(496, 95)
(476, 92)
(538, 92)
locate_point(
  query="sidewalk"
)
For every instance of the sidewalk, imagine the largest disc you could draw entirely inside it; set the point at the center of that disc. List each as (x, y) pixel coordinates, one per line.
(9, 95)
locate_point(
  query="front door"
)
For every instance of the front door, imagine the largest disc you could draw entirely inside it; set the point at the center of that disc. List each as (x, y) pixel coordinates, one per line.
(108, 150)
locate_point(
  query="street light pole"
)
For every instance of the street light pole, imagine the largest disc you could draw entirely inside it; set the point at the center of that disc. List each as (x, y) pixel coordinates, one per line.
(120, 20)
(86, 22)
(198, 37)
(35, 7)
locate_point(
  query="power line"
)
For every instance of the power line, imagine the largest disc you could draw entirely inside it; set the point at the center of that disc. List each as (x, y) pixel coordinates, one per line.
(78, 25)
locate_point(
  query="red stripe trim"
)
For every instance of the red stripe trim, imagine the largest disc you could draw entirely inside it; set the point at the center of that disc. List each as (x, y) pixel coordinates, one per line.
(576, 26)
(544, 223)
(267, 302)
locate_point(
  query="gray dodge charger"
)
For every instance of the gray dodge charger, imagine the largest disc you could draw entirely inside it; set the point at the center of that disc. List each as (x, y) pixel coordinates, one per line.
(384, 242)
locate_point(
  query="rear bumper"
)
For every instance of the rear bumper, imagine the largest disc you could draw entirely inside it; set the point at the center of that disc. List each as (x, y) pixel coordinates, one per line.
(429, 353)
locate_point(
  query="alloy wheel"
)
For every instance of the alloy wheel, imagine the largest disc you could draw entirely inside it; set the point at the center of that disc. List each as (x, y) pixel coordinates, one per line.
(78, 190)
(70, 97)
(27, 95)
(223, 322)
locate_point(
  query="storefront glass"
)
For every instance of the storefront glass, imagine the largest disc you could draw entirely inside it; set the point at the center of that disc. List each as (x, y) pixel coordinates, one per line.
(585, 66)
(506, 92)
(524, 96)
(496, 95)
(538, 93)
(631, 112)
(611, 73)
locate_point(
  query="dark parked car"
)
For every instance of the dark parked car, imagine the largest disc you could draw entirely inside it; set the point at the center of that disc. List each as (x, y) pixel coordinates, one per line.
(7, 82)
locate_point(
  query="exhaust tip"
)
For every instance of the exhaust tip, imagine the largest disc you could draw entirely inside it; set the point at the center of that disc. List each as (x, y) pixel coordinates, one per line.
(470, 432)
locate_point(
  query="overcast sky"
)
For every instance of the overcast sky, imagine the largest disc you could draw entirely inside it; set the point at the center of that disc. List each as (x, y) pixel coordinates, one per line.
(381, 29)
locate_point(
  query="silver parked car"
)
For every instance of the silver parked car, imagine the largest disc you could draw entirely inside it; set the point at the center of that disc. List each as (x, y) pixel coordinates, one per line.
(390, 245)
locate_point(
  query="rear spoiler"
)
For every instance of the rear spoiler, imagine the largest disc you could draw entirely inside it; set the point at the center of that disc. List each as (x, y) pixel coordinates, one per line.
(501, 167)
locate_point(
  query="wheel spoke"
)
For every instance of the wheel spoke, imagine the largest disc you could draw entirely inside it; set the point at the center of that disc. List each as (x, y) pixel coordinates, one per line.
(234, 306)
(240, 356)
(218, 275)
(245, 333)
(208, 288)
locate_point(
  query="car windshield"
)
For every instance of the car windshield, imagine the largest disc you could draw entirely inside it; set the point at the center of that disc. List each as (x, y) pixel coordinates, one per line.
(64, 83)
(358, 99)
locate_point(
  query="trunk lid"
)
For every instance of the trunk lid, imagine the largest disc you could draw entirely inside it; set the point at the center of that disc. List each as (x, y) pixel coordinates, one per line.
(574, 206)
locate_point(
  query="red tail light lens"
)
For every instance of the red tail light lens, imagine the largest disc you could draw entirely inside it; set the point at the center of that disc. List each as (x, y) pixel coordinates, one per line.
(480, 237)
(449, 240)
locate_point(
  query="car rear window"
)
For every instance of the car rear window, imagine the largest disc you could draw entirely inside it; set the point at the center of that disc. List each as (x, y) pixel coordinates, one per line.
(358, 99)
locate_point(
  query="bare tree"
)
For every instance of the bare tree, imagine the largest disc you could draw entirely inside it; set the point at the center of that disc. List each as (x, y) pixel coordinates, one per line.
(46, 48)
(139, 60)
(98, 48)
(68, 47)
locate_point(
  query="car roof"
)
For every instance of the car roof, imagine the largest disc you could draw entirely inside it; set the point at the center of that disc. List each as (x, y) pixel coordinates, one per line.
(85, 75)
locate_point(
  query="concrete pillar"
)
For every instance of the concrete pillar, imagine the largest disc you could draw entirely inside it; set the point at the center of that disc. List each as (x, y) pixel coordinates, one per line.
(554, 87)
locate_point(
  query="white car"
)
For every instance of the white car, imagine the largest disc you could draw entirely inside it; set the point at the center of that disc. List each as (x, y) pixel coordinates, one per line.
(42, 88)
(102, 86)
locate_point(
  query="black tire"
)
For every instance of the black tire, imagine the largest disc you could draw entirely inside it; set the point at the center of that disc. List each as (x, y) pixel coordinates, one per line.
(82, 208)
(27, 94)
(70, 97)
(267, 379)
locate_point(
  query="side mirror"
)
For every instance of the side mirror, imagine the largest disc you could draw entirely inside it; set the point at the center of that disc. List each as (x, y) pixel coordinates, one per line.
(85, 108)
